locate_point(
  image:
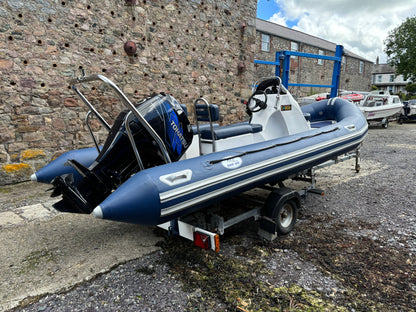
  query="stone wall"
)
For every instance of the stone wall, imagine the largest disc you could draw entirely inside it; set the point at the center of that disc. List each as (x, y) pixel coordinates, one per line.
(307, 70)
(186, 48)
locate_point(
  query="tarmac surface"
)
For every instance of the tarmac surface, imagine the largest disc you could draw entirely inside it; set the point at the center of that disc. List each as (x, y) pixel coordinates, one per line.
(51, 261)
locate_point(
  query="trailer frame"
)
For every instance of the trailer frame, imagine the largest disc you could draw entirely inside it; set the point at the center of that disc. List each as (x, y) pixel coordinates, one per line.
(206, 235)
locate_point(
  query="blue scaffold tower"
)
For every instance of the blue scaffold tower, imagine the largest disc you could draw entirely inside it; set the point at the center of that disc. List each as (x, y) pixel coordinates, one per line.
(282, 67)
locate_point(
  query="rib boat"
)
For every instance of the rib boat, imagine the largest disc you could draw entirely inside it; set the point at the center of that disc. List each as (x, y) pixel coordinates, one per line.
(155, 166)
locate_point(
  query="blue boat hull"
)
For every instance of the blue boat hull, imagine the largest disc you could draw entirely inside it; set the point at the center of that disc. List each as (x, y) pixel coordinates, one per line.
(146, 199)
(166, 192)
(58, 167)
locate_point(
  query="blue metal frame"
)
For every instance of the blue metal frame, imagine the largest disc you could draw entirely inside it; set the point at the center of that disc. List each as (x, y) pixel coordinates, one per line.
(284, 57)
(275, 63)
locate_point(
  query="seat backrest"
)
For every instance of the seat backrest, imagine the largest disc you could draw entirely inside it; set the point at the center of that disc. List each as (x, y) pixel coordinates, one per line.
(207, 112)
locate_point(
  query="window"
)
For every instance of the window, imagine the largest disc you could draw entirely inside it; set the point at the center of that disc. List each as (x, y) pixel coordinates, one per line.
(391, 78)
(265, 43)
(294, 47)
(343, 63)
(321, 61)
(361, 69)
(379, 77)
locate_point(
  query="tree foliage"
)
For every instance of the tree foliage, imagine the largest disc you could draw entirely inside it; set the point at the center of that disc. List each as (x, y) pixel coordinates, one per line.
(400, 47)
(411, 88)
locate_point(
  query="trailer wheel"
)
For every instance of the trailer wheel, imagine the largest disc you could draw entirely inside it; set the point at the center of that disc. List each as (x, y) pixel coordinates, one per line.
(283, 211)
(286, 218)
(385, 124)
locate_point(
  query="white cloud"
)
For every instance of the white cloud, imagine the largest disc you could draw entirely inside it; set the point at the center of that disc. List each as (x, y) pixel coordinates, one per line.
(278, 18)
(360, 25)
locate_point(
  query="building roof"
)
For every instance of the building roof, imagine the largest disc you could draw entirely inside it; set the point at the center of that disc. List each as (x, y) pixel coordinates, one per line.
(298, 36)
(383, 69)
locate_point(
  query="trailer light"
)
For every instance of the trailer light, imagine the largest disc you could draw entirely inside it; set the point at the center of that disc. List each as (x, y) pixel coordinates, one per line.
(202, 240)
(217, 243)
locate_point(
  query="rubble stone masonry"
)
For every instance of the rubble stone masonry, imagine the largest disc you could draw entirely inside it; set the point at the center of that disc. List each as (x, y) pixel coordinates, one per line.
(188, 48)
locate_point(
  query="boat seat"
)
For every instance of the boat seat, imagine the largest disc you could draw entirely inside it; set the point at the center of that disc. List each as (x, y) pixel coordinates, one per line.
(232, 130)
(207, 112)
(210, 132)
(203, 127)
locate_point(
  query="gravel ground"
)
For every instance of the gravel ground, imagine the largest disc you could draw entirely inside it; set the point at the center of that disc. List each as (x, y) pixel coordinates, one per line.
(351, 250)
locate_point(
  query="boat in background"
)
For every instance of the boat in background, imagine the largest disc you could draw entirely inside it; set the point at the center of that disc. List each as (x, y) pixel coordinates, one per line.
(408, 112)
(312, 98)
(355, 98)
(156, 167)
(380, 107)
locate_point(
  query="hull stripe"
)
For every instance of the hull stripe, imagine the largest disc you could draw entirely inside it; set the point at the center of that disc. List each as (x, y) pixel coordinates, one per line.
(200, 185)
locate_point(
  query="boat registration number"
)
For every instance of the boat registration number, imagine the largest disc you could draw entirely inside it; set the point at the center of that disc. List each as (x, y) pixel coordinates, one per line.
(232, 163)
(287, 107)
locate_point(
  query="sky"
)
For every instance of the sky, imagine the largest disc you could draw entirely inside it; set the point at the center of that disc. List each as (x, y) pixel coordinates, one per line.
(361, 26)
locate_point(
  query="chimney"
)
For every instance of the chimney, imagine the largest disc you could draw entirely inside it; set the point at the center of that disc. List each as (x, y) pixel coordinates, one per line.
(377, 60)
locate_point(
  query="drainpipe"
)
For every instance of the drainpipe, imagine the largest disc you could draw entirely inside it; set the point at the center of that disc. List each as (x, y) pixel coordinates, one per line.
(299, 76)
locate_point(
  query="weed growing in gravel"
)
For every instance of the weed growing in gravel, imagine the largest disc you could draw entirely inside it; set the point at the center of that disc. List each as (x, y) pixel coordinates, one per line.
(377, 276)
(233, 281)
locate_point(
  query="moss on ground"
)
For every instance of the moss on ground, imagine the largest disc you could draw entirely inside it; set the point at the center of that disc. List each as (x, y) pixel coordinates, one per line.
(233, 281)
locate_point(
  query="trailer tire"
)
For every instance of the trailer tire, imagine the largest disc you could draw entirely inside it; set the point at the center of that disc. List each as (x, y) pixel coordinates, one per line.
(286, 219)
(284, 210)
(385, 125)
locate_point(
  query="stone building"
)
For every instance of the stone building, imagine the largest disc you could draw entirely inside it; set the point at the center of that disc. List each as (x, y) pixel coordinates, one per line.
(271, 37)
(188, 48)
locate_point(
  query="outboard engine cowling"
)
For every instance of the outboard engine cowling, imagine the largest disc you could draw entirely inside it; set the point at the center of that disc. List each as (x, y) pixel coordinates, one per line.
(117, 161)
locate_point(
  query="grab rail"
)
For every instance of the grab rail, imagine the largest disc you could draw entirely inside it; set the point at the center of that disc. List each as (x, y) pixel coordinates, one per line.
(91, 107)
(131, 138)
(209, 117)
(126, 102)
(87, 121)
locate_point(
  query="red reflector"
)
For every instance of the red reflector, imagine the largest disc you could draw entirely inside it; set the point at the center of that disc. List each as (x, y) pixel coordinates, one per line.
(202, 240)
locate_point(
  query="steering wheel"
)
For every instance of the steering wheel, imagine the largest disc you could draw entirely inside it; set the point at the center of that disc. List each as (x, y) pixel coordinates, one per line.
(255, 105)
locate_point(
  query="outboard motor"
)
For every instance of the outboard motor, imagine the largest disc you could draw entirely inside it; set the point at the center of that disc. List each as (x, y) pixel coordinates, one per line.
(117, 160)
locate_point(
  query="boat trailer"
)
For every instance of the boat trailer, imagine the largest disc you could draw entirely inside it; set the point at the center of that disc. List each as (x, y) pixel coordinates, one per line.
(384, 122)
(277, 215)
